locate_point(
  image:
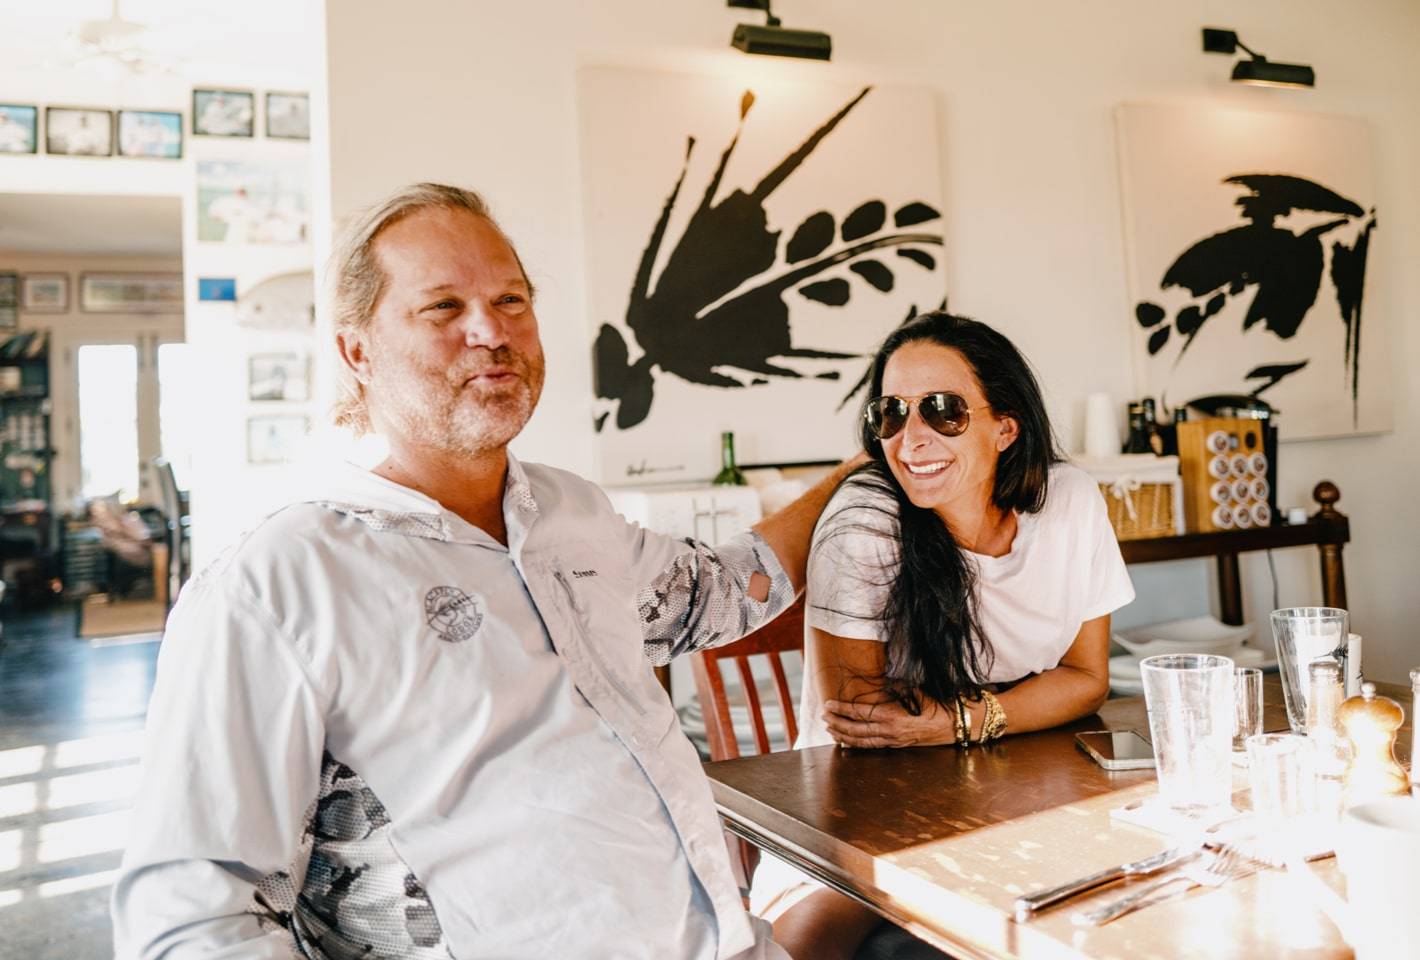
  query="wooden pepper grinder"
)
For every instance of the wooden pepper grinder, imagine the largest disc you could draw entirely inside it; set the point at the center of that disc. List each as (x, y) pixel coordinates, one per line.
(1370, 722)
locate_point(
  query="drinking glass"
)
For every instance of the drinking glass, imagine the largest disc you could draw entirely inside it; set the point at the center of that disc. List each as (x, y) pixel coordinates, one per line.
(1304, 634)
(1247, 705)
(1282, 776)
(1190, 702)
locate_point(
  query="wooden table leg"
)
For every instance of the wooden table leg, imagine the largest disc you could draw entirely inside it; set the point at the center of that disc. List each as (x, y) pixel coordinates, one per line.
(1230, 589)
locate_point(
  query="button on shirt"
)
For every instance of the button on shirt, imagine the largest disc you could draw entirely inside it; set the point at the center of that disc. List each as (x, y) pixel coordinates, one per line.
(377, 732)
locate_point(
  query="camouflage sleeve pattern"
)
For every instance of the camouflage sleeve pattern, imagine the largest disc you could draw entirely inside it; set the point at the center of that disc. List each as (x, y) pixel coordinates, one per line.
(702, 599)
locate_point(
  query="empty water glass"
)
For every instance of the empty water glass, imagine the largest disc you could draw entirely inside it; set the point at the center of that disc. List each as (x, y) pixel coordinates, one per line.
(1304, 634)
(1281, 775)
(1190, 703)
(1247, 705)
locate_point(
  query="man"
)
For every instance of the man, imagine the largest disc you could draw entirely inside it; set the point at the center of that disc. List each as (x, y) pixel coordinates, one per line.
(413, 715)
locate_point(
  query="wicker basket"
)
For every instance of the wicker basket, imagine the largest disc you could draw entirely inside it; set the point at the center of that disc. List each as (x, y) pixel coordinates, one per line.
(1142, 494)
(1138, 514)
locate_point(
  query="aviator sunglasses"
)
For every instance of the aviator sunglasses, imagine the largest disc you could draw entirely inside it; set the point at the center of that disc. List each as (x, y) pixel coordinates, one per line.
(947, 413)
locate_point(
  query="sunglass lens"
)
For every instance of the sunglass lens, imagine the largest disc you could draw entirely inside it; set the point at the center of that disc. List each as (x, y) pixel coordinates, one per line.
(945, 413)
(887, 415)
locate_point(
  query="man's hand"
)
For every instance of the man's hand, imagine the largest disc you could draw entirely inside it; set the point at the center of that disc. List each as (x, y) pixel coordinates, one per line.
(872, 724)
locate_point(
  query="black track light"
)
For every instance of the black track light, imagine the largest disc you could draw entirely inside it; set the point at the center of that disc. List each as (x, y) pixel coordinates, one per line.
(1258, 70)
(776, 40)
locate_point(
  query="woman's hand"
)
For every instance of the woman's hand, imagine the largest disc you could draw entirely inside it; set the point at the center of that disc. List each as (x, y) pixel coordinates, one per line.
(872, 724)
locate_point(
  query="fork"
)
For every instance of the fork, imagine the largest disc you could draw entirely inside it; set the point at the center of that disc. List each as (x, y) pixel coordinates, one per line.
(1221, 864)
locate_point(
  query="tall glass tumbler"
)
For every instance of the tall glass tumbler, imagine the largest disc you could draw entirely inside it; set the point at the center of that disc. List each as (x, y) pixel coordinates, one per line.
(1305, 634)
(1190, 702)
(1247, 705)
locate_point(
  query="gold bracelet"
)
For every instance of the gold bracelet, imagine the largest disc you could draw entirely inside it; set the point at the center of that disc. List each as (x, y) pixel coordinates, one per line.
(993, 726)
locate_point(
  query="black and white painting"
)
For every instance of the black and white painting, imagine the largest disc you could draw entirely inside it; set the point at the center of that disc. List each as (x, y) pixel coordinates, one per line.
(748, 246)
(1251, 236)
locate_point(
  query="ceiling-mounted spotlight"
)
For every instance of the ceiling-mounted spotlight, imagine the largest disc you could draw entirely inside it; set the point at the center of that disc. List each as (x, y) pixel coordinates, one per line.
(775, 40)
(1258, 71)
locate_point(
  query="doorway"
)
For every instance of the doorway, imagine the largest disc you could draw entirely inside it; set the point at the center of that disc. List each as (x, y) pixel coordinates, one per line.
(101, 312)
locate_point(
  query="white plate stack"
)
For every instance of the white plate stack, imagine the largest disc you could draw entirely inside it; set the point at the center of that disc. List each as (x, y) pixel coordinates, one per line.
(1205, 634)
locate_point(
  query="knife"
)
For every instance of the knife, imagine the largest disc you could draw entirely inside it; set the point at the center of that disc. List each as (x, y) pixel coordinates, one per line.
(1035, 902)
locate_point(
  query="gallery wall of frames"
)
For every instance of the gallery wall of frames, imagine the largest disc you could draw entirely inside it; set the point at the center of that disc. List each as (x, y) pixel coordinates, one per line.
(152, 134)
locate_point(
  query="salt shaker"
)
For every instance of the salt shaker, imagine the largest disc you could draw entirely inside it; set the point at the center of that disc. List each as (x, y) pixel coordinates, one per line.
(1331, 750)
(1370, 721)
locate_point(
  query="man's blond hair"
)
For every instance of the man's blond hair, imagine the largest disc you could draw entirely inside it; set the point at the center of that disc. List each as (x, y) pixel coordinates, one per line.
(358, 281)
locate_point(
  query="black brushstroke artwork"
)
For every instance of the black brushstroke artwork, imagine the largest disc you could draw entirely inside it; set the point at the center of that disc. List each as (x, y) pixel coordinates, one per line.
(1282, 267)
(719, 303)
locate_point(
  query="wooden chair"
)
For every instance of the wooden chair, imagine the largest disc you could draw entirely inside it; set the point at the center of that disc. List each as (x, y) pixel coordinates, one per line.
(176, 519)
(783, 634)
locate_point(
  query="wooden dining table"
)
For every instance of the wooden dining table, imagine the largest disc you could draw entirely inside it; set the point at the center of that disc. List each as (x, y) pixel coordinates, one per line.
(942, 840)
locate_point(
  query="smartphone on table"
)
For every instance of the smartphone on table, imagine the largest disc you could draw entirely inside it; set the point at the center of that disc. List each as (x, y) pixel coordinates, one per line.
(1117, 749)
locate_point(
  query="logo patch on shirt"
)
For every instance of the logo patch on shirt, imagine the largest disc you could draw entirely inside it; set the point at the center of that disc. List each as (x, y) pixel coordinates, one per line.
(453, 614)
(583, 574)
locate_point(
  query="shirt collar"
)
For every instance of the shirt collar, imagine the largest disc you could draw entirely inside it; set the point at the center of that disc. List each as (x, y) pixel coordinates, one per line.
(363, 495)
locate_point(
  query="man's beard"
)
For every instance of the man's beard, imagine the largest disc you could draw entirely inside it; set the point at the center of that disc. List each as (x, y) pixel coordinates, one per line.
(442, 409)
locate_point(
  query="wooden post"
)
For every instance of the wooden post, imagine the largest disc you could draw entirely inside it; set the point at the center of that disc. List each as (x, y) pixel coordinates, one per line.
(1333, 573)
(1230, 589)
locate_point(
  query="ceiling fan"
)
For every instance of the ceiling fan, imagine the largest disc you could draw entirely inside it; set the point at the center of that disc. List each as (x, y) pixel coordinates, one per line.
(121, 41)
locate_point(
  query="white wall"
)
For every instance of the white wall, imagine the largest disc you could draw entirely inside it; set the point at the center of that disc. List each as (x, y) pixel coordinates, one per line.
(484, 94)
(226, 492)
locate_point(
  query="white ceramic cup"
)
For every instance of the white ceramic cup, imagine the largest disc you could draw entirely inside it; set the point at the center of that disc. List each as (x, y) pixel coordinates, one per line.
(1101, 426)
(1377, 848)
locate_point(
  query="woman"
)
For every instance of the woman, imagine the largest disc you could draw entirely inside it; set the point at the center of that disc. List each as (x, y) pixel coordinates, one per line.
(960, 583)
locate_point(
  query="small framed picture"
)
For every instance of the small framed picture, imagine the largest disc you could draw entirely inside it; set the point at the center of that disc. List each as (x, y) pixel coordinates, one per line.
(223, 113)
(275, 439)
(9, 301)
(130, 292)
(75, 132)
(288, 116)
(19, 129)
(278, 376)
(44, 293)
(150, 133)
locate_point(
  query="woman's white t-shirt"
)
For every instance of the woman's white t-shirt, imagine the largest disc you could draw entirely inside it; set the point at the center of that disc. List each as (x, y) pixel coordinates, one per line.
(1063, 569)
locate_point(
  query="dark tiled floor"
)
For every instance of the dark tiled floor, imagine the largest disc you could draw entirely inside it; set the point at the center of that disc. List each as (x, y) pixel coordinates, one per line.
(71, 715)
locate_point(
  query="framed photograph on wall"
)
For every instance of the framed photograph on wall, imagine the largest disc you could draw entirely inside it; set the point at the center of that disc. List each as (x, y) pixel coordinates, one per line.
(257, 203)
(77, 132)
(150, 133)
(130, 292)
(223, 113)
(278, 376)
(288, 116)
(9, 301)
(19, 128)
(44, 293)
(275, 439)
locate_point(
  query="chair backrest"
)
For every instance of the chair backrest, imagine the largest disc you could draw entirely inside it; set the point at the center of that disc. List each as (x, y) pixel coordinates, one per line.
(171, 500)
(783, 634)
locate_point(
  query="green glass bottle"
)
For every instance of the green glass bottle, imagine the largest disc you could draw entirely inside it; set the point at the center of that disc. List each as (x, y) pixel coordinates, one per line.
(729, 474)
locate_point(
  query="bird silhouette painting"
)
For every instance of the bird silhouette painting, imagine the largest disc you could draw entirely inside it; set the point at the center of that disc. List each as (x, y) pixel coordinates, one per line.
(1269, 301)
(749, 283)
(1280, 269)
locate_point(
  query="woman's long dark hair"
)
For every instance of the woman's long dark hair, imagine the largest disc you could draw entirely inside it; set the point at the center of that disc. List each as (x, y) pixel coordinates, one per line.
(935, 646)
